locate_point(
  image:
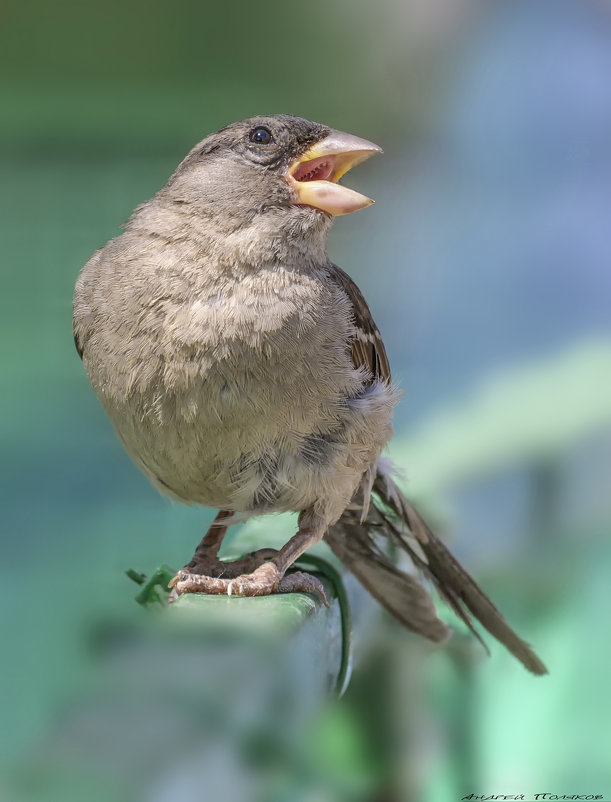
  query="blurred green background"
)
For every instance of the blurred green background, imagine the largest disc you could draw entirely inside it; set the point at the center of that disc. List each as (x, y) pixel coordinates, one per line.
(485, 261)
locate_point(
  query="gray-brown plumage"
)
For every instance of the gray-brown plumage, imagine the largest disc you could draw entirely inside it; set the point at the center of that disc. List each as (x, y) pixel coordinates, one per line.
(243, 371)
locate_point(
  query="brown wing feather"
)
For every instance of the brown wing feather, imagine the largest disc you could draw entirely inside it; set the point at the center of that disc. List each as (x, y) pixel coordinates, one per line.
(366, 346)
(355, 545)
(77, 343)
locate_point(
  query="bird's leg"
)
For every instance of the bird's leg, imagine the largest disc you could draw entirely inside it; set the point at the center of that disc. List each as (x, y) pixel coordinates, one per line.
(205, 560)
(269, 575)
(205, 564)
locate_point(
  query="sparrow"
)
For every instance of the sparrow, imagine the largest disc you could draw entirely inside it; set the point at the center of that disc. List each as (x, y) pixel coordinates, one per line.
(242, 371)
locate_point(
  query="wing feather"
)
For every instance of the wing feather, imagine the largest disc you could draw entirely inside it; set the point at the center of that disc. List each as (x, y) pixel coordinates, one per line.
(366, 345)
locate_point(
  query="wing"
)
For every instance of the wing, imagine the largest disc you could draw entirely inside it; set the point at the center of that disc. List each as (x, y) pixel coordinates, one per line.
(77, 341)
(366, 346)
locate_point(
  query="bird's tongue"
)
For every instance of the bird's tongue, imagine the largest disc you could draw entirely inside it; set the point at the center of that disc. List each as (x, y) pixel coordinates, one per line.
(320, 169)
(314, 186)
(319, 191)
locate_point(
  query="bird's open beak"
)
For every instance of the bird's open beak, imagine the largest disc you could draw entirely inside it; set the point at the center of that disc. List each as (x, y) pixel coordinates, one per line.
(313, 176)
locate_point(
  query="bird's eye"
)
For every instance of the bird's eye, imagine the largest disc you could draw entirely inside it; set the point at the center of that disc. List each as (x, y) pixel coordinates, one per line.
(261, 136)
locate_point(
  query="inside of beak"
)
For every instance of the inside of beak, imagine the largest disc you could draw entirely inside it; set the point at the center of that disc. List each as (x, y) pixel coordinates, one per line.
(313, 176)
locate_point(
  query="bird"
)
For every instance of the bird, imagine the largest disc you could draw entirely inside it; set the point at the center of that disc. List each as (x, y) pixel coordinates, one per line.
(242, 371)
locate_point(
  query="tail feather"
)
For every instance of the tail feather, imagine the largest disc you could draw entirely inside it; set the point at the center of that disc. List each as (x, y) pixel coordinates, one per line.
(402, 594)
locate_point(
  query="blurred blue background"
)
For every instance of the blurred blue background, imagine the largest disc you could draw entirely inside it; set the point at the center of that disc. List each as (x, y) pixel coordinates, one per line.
(486, 264)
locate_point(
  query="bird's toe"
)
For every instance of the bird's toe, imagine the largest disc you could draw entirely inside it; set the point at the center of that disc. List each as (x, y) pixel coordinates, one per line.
(300, 582)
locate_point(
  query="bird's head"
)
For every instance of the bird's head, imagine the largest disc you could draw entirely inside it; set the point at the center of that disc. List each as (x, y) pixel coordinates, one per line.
(270, 176)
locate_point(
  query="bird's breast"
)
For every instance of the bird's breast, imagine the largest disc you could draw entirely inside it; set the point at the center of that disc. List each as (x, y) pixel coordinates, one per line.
(233, 349)
(270, 346)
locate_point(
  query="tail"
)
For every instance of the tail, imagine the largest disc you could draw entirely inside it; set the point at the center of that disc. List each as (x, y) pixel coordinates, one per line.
(402, 594)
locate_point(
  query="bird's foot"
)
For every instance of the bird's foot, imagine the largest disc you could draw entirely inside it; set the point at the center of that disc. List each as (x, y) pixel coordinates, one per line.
(207, 567)
(263, 581)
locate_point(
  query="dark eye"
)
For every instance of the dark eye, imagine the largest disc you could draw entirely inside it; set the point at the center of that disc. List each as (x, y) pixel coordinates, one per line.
(261, 136)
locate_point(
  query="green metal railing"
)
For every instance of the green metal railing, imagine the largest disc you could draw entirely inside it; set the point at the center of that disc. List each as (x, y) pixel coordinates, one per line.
(289, 614)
